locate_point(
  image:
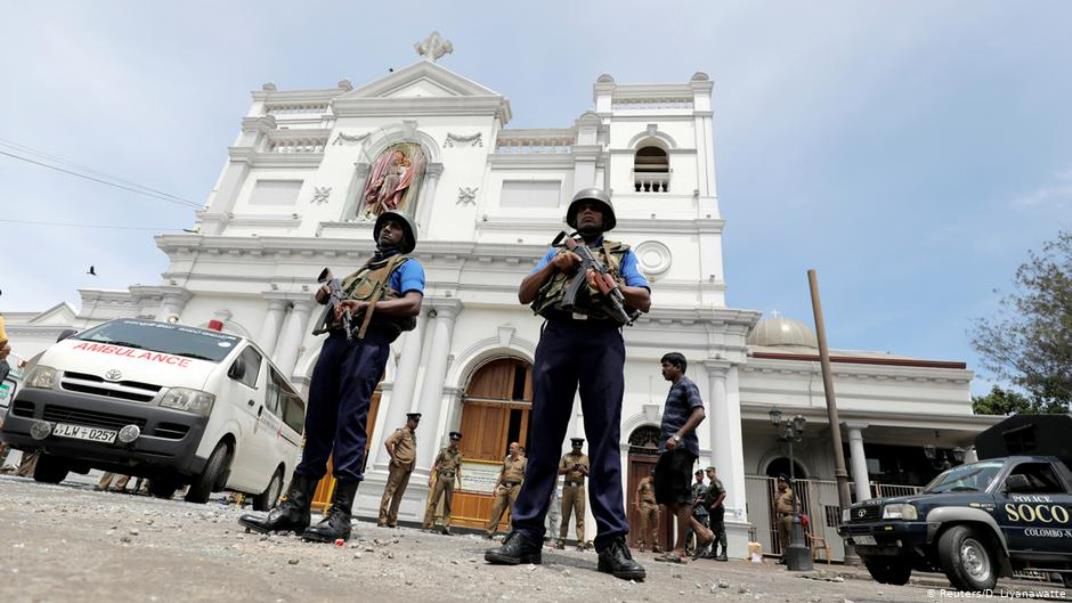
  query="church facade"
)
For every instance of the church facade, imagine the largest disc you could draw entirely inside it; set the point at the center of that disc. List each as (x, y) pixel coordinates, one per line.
(310, 169)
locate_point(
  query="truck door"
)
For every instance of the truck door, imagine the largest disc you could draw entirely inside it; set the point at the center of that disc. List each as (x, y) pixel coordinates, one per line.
(1035, 509)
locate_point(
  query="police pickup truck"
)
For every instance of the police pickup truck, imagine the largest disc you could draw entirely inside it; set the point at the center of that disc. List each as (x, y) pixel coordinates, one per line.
(1009, 512)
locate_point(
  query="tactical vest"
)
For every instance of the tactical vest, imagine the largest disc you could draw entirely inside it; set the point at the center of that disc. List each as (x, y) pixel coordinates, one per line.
(373, 281)
(550, 295)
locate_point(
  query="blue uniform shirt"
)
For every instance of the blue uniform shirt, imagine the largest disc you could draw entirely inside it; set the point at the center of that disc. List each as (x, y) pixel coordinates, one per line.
(408, 277)
(684, 396)
(629, 270)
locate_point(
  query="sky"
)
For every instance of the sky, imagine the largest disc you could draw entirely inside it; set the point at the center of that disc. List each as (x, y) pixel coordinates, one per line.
(911, 152)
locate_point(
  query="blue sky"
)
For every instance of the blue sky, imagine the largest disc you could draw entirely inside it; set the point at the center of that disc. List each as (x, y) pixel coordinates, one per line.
(911, 152)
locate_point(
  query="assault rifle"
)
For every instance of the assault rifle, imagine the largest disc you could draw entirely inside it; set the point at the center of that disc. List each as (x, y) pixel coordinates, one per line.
(336, 296)
(612, 299)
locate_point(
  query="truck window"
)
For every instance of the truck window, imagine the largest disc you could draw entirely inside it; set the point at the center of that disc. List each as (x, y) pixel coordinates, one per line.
(252, 358)
(276, 389)
(1040, 476)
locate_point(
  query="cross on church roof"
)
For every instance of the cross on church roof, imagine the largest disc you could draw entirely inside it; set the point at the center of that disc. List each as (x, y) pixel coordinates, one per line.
(434, 47)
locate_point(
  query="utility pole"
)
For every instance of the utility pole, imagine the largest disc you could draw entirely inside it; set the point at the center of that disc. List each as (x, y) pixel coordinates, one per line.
(842, 476)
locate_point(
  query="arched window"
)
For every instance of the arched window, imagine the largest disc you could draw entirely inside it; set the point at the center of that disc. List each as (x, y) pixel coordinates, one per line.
(651, 170)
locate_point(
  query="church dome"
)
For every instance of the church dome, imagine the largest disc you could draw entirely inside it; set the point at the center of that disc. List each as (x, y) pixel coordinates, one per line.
(779, 331)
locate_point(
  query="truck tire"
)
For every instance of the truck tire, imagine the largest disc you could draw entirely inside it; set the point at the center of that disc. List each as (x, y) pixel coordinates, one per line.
(967, 560)
(889, 570)
(268, 499)
(50, 469)
(203, 485)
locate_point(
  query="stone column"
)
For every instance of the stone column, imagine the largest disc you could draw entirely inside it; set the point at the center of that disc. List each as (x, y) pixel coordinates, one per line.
(269, 334)
(860, 479)
(727, 452)
(173, 302)
(402, 389)
(431, 399)
(724, 423)
(287, 351)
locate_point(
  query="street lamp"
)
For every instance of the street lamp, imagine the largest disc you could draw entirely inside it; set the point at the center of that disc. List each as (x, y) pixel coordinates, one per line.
(797, 555)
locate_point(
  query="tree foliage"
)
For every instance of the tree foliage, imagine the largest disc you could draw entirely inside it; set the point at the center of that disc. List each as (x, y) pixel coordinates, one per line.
(1029, 341)
(1007, 402)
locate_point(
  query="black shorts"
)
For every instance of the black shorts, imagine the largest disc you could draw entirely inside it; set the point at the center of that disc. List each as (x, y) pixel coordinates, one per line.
(673, 474)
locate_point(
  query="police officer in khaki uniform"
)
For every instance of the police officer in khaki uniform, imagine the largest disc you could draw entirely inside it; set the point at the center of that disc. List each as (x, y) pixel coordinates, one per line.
(574, 466)
(446, 469)
(783, 508)
(507, 488)
(402, 446)
(649, 513)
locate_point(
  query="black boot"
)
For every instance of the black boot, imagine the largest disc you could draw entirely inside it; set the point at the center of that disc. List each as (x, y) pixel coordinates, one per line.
(292, 514)
(336, 522)
(515, 549)
(615, 559)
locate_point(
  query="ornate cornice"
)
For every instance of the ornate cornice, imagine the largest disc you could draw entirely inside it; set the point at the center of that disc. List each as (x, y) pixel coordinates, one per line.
(274, 160)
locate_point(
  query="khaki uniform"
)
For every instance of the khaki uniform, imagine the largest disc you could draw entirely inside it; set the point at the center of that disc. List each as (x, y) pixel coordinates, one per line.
(783, 507)
(506, 491)
(405, 446)
(105, 482)
(573, 494)
(447, 466)
(649, 514)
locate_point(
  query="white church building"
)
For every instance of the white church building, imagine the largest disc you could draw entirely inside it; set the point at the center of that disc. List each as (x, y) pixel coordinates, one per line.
(308, 168)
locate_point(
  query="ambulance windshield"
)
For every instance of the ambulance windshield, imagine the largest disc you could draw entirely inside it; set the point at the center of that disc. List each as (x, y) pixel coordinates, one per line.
(177, 340)
(975, 477)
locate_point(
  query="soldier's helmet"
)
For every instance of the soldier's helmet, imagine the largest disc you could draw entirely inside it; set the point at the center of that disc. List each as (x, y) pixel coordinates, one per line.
(409, 230)
(587, 195)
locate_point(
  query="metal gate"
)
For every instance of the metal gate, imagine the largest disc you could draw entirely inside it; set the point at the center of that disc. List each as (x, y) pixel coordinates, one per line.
(817, 498)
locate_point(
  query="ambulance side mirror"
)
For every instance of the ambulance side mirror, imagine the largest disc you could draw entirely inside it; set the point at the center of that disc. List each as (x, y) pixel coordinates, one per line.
(238, 369)
(1017, 483)
(64, 334)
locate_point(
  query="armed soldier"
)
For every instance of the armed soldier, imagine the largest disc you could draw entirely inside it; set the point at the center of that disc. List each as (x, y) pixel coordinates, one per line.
(580, 344)
(507, 488)
(574, 466)
(446, 469)
(385, 296)
(713, 500)
(402, 448)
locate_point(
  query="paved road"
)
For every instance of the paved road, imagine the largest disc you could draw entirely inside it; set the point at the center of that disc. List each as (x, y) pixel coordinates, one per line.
(69, 543)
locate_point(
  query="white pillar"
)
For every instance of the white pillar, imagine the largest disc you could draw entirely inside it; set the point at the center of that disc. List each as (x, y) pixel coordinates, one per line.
(859, 461)
(173, 302)
(269, 334)
(286, 356)
(405, 382)
(971, 455)
(431, 400)
(724, 423)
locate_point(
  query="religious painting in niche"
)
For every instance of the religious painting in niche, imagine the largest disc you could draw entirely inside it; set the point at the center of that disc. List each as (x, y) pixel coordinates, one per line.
(394, 181)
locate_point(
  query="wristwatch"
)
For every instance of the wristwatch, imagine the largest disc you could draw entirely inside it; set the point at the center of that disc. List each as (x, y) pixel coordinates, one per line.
(676, 438)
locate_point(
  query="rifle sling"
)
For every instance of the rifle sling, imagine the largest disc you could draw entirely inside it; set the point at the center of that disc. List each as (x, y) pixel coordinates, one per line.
(377, 295)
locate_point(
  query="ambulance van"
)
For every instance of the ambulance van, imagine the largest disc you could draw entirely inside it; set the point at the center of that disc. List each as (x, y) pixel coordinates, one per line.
(177, 404)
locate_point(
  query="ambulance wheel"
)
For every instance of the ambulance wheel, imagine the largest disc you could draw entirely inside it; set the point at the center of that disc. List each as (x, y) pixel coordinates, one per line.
(266, 500)
(203, 485)
(967, 560)
(50, 469)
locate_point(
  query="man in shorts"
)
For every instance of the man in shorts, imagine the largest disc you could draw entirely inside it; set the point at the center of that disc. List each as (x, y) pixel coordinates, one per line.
(679, 448)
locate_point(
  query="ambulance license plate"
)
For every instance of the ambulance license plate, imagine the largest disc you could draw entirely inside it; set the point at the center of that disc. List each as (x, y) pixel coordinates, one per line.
(864, 540)
(81, 432)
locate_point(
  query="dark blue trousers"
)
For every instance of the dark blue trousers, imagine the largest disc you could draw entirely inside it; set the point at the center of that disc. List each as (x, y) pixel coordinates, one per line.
(339, 396)
(590, 355)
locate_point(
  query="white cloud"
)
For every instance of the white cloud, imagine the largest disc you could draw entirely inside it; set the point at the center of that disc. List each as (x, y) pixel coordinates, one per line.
(1056, 193)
